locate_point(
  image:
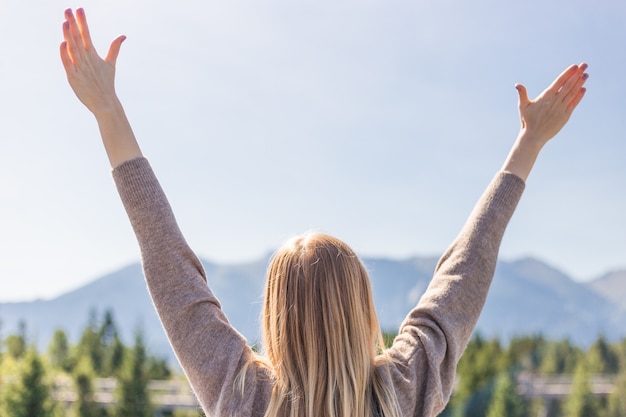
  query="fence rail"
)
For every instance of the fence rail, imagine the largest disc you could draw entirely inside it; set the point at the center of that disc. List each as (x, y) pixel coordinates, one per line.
(173, 395)
(167, 395)
(559, 386)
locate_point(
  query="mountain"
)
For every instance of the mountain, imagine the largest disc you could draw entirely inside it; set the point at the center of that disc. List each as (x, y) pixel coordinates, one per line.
(613, 287)
(527, 297)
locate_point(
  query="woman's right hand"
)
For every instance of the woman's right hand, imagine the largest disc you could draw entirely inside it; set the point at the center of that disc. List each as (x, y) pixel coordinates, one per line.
(543, 117)
(91, 77)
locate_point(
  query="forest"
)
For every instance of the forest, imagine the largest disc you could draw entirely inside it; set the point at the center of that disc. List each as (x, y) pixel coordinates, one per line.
(526, 376)
(32, 383)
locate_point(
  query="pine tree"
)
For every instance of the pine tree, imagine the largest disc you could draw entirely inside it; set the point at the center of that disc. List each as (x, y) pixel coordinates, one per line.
(158, 368)
(59, 351)
(112, 346)
(114, 356)
(505, 401)
(601, 358)
(132, 393)
(477, 371)
(581, 402)
(30, 395)
(16, 343)
(617, 399)
(85, 405)
(560, 357)
(90, 347)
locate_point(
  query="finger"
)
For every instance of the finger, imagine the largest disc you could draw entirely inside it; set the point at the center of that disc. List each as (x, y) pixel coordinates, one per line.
(72, 36)
(114, 50)
(70, 45)
(73, 28)
(572, 105)
(562, 79)
(81, 19)
(572, 87)
(65, 57)
(523, 95)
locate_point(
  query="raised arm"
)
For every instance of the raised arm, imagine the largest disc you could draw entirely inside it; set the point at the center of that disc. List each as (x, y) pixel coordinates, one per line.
(434, 335)
(210, 350)
(543, 117)
(93, 80)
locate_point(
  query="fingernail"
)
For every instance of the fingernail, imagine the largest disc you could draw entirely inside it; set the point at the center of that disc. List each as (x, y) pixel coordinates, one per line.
(584, 66)
(585, 76)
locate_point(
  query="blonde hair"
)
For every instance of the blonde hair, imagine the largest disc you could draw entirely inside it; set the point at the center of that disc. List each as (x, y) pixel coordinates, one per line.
(321, 334)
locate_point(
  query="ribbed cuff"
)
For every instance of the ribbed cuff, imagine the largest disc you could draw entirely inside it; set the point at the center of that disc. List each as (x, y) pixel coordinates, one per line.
(136, 182)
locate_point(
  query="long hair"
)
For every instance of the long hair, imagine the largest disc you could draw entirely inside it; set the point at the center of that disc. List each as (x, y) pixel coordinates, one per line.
(321, 334)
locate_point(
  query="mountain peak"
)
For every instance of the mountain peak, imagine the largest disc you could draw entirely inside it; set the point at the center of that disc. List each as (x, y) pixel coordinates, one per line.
(528, 296)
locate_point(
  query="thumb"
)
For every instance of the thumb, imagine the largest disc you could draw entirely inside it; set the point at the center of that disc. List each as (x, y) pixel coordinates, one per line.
(114, 50)
(523, 95)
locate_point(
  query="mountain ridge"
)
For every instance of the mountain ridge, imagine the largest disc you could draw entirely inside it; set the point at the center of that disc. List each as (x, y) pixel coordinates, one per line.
(527, 296)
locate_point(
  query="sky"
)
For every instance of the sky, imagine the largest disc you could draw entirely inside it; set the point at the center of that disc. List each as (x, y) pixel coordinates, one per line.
(378, 121)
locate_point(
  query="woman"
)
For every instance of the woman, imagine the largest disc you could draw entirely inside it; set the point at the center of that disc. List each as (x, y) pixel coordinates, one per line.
(322, 340)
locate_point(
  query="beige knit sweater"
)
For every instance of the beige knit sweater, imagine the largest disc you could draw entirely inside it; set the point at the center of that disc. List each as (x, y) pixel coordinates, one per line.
(430, 342)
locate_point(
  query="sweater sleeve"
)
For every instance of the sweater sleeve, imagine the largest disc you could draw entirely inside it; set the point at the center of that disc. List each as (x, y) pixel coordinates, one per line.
(209, 350)
(435, 333)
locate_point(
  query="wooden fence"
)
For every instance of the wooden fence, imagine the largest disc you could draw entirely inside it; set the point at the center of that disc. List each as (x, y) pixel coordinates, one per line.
(168, 396)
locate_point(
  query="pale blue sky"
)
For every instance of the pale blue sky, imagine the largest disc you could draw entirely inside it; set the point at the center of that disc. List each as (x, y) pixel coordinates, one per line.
(378, 121)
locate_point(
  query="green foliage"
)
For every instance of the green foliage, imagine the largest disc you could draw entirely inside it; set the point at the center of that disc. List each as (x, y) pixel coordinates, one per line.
(477, 370)
(132, 392)
(581, 402)
(388, 338)
(114, 356)
(617, 399)
(620, 351)
(83, 384)
(99, 353)
(16, 343)
(101, 346)
(601, 358)
(485, 386)
(525, 353)
(112, 346)
(90, 348)
(30, 396)
(59, 351)
(560, 357)
(479, 364)
(505, 401)
(158, 368)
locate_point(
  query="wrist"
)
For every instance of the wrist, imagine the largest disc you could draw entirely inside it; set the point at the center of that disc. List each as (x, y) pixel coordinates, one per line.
(530, 141)
(117, 134)
(108, 109)
(523, 155)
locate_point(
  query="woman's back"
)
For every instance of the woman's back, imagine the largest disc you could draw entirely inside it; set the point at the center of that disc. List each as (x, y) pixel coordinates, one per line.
(417, 371)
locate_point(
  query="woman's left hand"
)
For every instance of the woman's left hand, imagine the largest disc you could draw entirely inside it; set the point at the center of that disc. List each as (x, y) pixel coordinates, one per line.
(91, 77)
